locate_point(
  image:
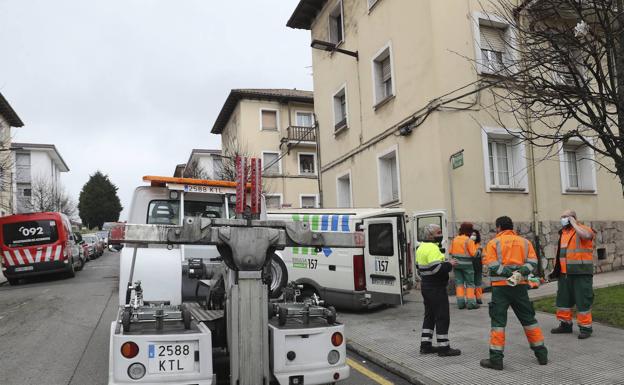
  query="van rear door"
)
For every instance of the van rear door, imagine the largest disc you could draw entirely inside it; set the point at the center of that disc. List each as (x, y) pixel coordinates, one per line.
(381, 255)
(424, 218)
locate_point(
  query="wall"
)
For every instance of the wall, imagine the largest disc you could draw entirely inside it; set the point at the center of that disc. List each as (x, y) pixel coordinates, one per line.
(6, 174)
(245, 126)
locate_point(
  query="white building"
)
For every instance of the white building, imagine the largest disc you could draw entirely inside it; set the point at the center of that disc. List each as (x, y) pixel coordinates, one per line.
(203, 164)
(35, 163)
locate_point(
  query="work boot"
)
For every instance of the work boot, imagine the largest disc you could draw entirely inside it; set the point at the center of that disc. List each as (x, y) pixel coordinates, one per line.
(479, 301)
(563, 327)
(428, 349)
(472, 306)
(542, 355)
(461, 305)
(447, 351)
(584, 335)
(487, 363)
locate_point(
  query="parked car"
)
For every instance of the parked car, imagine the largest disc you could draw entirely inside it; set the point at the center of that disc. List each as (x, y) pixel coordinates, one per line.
(87, 252)
(36, 244)
(96, 247)
(103, 235)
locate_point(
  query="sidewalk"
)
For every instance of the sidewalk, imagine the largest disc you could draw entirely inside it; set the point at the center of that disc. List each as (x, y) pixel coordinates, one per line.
(391, 338)
(3, 279)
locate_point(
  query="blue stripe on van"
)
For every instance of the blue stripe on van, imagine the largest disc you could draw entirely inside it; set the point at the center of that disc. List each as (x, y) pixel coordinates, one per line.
(345, 223)
(325, 223)
(334, 225)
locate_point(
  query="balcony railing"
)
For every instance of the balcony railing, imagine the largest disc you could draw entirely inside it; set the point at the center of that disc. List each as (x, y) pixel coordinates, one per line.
(301, 134)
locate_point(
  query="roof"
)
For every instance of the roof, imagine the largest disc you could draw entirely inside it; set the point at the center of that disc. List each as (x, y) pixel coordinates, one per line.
(9, 114)
(305, 13)
(50, 148)
(179, 169)
(282, 95)
(201, 151)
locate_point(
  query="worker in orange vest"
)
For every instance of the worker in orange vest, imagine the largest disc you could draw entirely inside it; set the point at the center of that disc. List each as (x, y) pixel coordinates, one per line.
(463, 250)
(574, 269)
(510, 258)
(477, 265)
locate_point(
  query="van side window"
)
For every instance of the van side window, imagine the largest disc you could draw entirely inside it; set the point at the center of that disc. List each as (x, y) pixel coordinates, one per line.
(424, 221)
(381, 239)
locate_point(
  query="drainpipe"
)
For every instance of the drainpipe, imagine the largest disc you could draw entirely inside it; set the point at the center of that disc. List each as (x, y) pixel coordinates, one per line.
(318, 161)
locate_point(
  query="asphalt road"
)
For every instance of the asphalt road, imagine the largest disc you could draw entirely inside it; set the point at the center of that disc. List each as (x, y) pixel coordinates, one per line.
(56, 330)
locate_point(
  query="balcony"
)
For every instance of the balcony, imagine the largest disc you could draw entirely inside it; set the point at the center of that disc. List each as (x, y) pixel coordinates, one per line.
(300, 136)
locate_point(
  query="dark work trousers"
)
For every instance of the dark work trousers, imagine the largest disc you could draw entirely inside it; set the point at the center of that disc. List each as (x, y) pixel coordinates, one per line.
(436, 316)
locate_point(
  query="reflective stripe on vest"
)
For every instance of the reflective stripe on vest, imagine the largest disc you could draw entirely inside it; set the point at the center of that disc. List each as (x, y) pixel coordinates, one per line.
(499, 255)
(464, 258)
(580, 259)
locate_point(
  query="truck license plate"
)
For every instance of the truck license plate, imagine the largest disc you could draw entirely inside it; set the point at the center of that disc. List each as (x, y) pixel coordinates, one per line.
(25, 268)
(171, 358)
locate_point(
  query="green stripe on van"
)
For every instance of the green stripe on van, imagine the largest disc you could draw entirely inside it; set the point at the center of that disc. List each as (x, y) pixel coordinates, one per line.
(295, 250)
(315, 222)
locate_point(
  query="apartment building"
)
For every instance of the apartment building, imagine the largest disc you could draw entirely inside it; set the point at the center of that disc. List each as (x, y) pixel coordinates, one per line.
(380, 69)
(278, 126)
(8, 119)
(36, 166)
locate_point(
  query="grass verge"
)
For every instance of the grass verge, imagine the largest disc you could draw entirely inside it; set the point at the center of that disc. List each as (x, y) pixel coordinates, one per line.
(608, 305)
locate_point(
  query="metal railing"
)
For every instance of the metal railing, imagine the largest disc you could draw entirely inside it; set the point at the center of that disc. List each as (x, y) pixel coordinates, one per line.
(301, 133)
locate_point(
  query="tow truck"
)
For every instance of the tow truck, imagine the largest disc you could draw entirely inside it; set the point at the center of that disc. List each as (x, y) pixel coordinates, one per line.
(205, 299)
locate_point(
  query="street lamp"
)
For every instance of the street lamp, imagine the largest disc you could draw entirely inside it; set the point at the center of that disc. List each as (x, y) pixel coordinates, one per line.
(331, 47)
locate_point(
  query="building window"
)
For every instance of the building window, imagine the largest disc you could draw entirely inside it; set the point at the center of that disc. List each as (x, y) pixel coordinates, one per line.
(343, 191)
(336, 25)
(271, 163)
(305, 119)
(577, 168)
(383, 76)
(505, 161)
(307, 163)
(494, 43)
(268, 119)
(273, 201)
(388, 167)
(340, 109)
(27, 192)
(308, 201)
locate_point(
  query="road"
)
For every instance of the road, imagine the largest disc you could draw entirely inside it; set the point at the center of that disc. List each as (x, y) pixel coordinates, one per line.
(55, 331)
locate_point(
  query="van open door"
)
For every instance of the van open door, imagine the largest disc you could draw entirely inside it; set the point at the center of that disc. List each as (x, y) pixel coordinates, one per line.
(381, 258)
(424, 218)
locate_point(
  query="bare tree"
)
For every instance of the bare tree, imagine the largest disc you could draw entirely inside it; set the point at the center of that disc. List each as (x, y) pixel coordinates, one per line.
(6, 174)
(231, 148)
(49, 196)
(194, 170)
(557, 74)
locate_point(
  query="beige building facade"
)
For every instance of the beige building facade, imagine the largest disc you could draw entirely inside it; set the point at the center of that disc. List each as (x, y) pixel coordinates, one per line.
(385, 141)
(8, 119)
(278, 126)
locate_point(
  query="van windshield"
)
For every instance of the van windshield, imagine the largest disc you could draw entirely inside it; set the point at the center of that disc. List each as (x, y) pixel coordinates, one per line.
(29, 233)
(167, 212)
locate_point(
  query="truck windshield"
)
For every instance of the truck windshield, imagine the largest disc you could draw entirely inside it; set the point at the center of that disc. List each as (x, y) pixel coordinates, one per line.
(29, 233)
(167, 212)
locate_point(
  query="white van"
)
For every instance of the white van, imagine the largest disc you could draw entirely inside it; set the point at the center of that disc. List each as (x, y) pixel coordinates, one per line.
(379, 273)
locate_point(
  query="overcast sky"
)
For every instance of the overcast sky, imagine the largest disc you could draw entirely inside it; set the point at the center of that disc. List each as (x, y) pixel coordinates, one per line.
(129, 87)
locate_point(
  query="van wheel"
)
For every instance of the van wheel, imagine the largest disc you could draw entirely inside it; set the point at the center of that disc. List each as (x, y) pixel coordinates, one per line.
(279, 276)
(71, 273)
(13, 281)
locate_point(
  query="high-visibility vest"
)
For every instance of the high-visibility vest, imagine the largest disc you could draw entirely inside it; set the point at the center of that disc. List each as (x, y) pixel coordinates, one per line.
(428, 258)
(576, 255)
(463, 249)
(508, 250)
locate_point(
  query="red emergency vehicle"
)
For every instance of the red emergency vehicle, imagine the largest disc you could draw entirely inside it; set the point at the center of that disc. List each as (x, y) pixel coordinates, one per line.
(35, 244)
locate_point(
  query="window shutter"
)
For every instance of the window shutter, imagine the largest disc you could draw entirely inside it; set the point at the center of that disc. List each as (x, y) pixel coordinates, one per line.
(492, 38)
(269, 120)
(386, 72)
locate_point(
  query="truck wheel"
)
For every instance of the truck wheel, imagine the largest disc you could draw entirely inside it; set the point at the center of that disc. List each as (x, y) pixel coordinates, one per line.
(186, 318)
(13, 281)
(279, 276)
(331, 317)
(282, 316)
(125, 321)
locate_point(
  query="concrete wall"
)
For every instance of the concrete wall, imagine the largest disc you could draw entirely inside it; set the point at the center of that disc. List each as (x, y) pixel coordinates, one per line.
(433, 51)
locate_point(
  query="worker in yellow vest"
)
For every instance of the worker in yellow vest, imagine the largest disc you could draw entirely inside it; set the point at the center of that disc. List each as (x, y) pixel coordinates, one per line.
(574, 269)
(510, 259)
(463, 250)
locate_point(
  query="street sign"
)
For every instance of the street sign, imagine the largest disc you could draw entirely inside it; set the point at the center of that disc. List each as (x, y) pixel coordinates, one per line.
(457, 159)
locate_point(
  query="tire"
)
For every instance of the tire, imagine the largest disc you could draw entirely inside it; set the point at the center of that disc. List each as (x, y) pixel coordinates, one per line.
(82, 264)
(13, 281)
(125, 321)
(71, 273)
(186, 318)
(279, 276)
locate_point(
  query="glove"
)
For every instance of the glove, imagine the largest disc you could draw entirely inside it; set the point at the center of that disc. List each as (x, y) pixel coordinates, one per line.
(515, 278)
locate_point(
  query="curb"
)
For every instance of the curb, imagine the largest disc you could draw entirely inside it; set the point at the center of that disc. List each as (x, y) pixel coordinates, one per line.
(393, 367)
